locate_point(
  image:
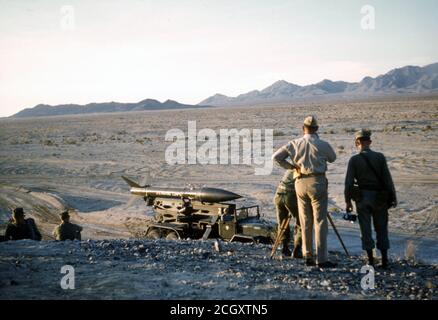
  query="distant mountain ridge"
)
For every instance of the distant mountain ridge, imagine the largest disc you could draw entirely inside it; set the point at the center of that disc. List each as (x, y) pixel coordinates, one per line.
(405, 80)
(44, 110)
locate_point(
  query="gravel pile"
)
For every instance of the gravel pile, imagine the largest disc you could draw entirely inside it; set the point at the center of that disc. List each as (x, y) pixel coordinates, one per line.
(187, 269)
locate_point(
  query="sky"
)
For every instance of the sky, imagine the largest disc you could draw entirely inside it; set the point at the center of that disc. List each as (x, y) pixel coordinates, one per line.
(57, 52)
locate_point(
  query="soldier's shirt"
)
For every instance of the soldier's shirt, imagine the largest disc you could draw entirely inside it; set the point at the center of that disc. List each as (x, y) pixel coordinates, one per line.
(67, 231)
(287, 183)
(310, 153)
(359, 171)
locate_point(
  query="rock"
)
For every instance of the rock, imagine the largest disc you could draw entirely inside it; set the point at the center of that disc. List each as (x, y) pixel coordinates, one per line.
(217, 246)
(325, 283)
(205, 255)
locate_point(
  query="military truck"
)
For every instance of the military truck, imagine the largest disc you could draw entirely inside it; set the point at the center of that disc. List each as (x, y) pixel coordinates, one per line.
(201, 214)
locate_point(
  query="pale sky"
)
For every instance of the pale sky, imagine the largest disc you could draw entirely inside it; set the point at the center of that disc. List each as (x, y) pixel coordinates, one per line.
(127, 51)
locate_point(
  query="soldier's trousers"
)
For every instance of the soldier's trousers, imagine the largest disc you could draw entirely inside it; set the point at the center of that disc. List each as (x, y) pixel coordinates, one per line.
(286, 203)
(312, 207)
(370, 208)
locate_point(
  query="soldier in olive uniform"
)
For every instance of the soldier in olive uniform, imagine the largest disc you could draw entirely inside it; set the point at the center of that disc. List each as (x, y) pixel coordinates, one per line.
(370, 172)
(67, 230)
(286, 204)
(20, 228)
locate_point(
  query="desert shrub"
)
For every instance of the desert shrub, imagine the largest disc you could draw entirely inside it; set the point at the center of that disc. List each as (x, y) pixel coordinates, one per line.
(48, 143)
(20, 141)
(70, 142)
(341, 149)
(278, 133)
(349, 130)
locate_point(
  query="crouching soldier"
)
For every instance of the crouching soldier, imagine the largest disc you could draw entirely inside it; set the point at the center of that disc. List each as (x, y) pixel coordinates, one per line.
(67, 230)
(373, 193)
(285, 201)
(20, 228)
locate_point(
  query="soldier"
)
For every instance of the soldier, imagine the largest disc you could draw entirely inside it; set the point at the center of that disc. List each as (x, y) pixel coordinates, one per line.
(286, 204)
(309, 156)
(20, 228)
(376, 194)
(67, 230)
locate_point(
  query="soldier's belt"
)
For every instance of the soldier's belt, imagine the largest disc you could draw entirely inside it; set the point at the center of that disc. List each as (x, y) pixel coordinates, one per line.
(311, 175)
(370, 188)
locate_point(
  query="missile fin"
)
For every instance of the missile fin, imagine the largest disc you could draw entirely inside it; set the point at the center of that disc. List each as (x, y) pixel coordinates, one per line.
(131, 183)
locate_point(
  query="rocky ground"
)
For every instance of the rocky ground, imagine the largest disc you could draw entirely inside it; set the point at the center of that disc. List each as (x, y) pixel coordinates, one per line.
(188, 269)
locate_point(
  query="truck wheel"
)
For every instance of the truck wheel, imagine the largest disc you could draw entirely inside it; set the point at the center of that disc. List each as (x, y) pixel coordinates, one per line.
(172, 236)
(154, 234)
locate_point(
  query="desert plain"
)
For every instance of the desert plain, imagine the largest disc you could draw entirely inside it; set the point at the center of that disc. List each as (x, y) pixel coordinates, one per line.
(76, 162)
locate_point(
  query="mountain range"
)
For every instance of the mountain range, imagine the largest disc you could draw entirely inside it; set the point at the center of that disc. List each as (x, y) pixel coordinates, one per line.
(406, 80)
(409, 80)
(44, 110)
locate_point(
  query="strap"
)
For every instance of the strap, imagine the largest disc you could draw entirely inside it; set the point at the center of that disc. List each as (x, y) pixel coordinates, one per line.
(381, 182)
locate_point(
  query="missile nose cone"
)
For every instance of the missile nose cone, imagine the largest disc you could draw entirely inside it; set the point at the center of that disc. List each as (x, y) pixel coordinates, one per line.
(217, 195)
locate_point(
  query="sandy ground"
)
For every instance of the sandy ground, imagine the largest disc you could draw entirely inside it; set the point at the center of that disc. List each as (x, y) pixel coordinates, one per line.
(48, 164)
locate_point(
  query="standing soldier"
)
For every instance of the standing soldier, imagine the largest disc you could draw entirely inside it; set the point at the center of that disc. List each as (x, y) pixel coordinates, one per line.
(374, 194)
(20, 228)
(285, 201)
(67, 230)
(309, 156)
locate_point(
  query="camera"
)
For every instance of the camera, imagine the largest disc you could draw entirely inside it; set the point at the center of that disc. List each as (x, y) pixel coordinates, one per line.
(350, 217)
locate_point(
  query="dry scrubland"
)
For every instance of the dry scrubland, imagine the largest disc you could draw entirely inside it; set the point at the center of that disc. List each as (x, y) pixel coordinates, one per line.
(81, 158)
(50, 163)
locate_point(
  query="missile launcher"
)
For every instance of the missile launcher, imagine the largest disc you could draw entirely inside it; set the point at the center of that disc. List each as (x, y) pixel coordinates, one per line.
(202, 214)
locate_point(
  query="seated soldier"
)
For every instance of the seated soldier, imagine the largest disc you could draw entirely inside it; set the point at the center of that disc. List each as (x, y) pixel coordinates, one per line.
(20, 228)
(67, 230)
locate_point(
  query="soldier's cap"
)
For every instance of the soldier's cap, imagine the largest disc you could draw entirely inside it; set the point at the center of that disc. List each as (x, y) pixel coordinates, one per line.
(18, 212)
(363, 134)
(64, 214)
(311, 121)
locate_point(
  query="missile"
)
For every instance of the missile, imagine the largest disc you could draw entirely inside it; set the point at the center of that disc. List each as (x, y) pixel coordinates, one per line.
(210, 195)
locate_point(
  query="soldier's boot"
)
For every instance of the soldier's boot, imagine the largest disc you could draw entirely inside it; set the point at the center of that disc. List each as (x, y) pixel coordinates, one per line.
(385, 262)
(285, 251)
(370, 257)
(310, 261)
(297, 253)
